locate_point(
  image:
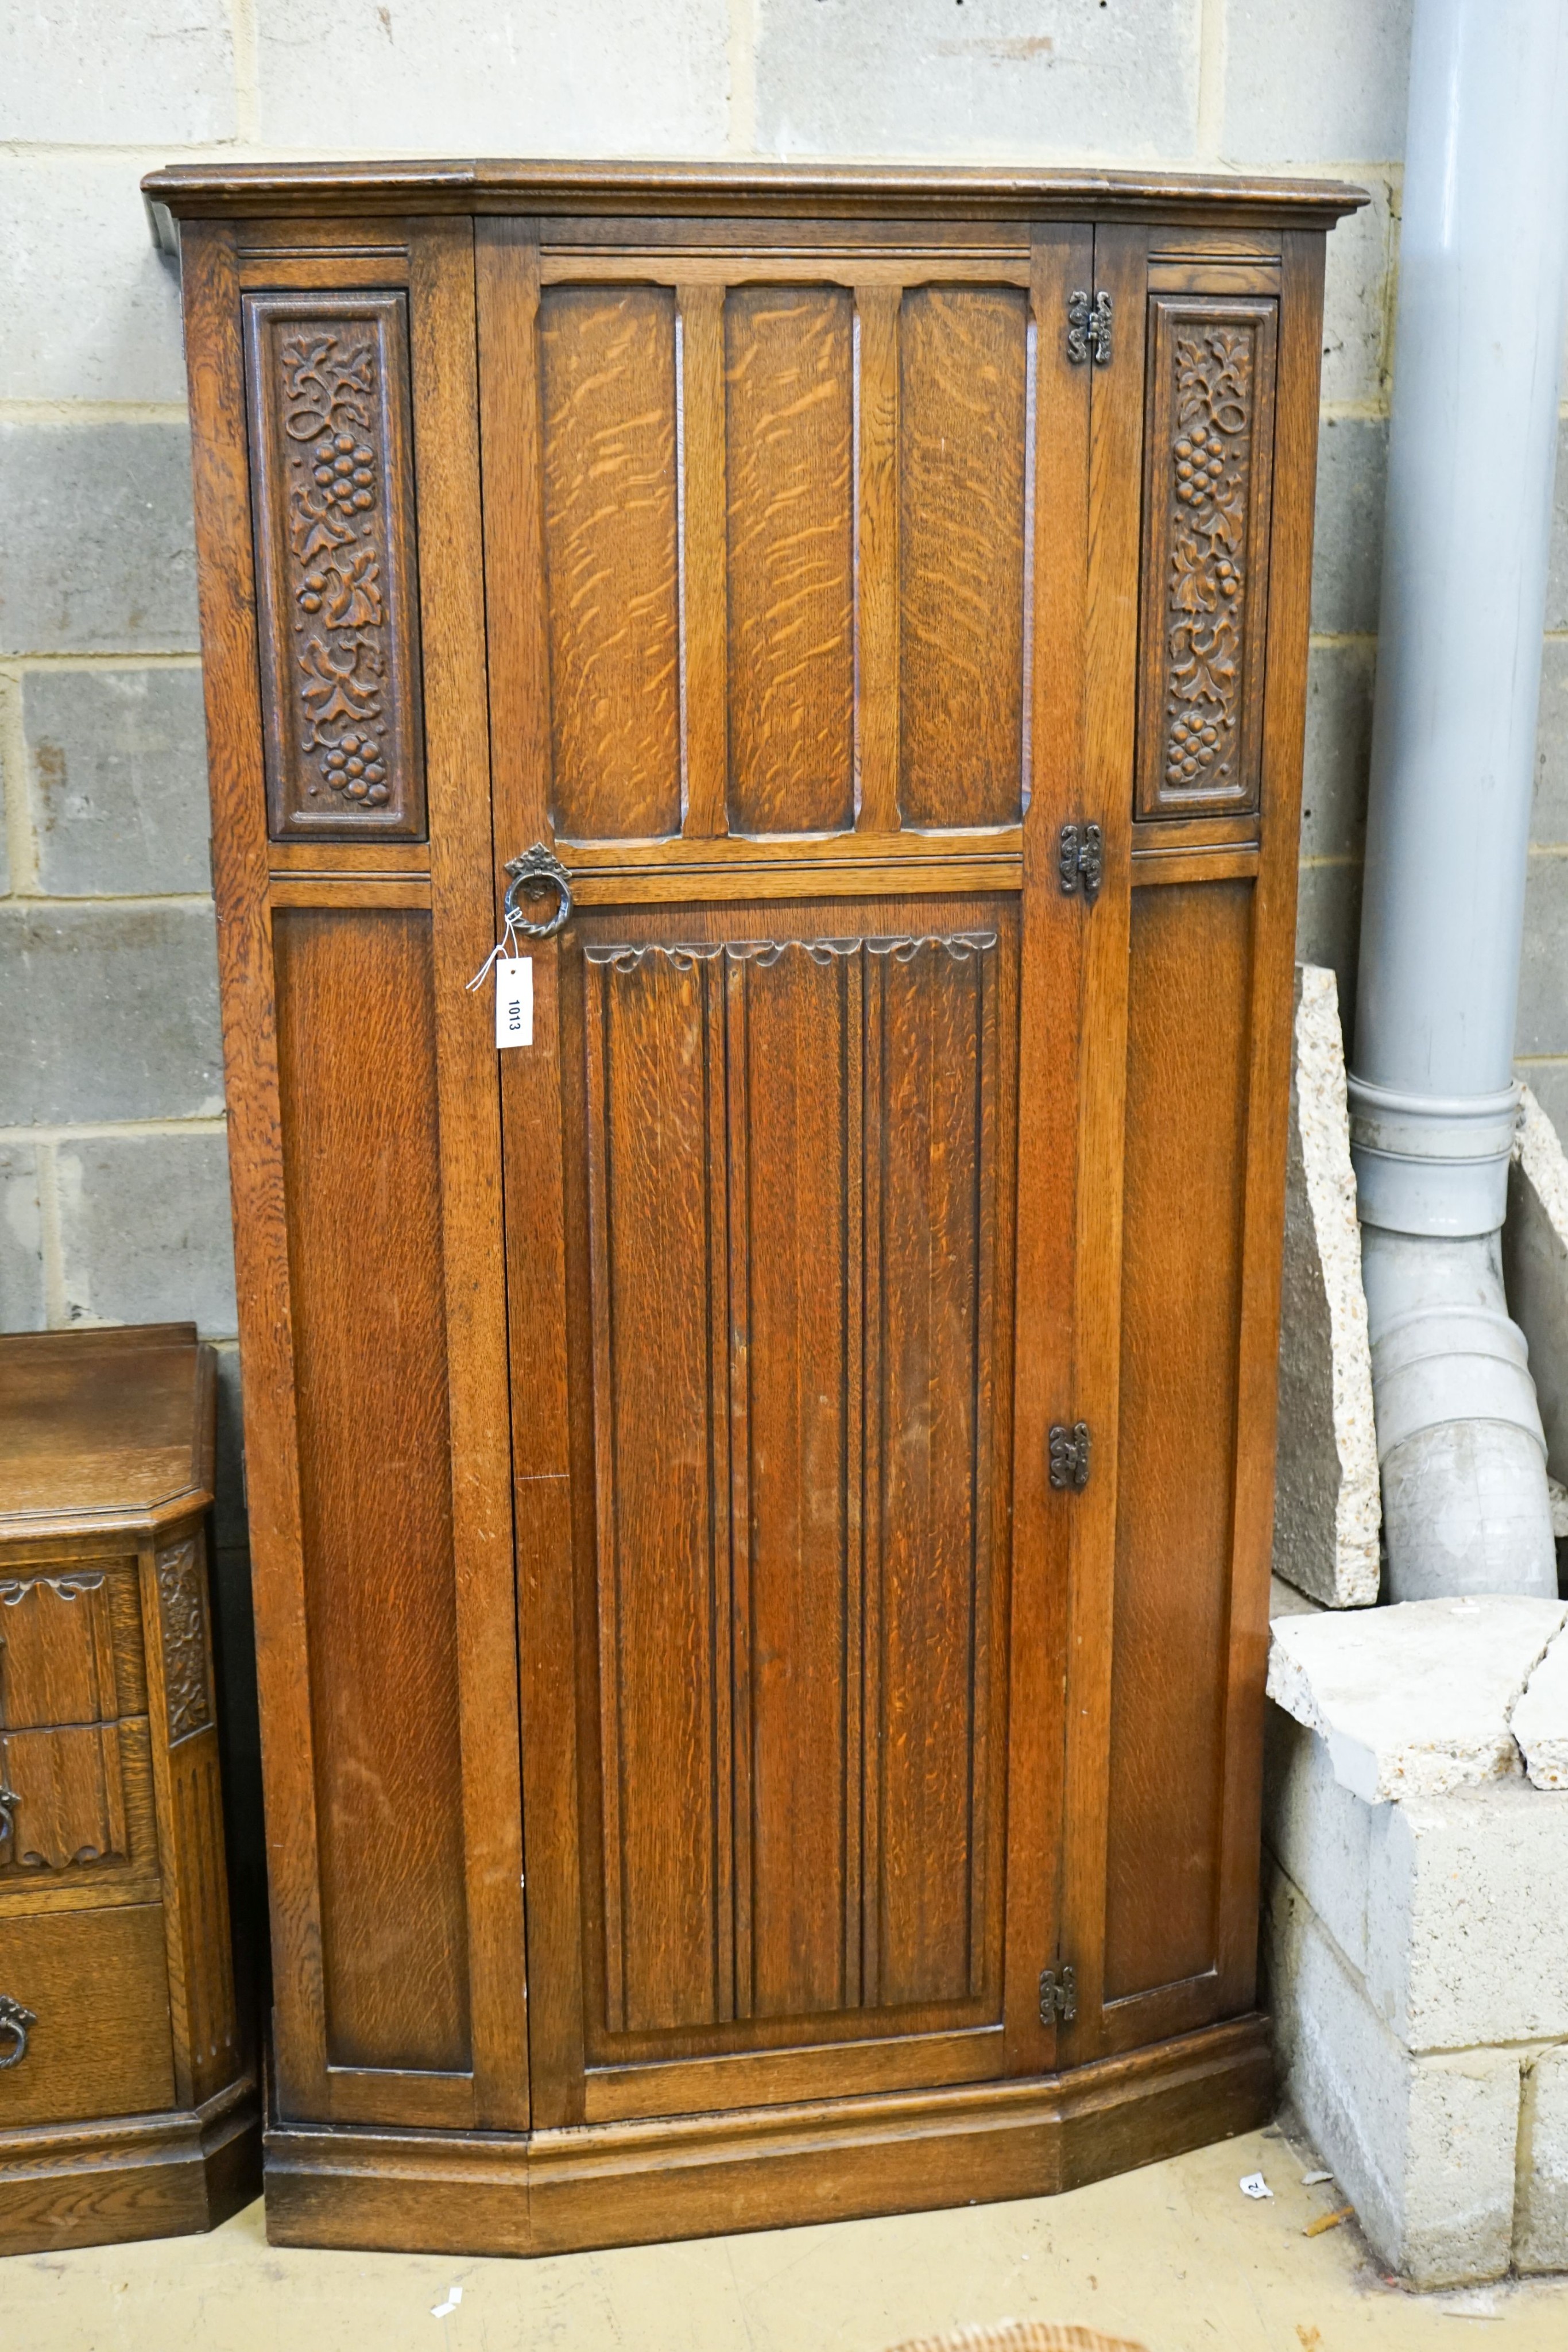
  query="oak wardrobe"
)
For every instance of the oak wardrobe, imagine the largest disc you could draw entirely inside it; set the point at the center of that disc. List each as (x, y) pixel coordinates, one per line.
(760, 1494)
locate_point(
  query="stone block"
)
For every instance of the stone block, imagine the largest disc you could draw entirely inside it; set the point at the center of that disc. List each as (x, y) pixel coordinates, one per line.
(118, 779)
(1549, 817)
(1548, 1082)
(21, 1240)
(1316, 81)
(1535, 1267)
(1424, 2147)
(92, 311)
(1541, 1026)
(1338, 754)
(525, 78)
(1416, 1699)
(1328, 927)
(1467, 1917)
(144, 1229)
(1317, 1831)
(1328, 1510)
(98, 553)
(84, 72)
(111, 1013)
(1557, 561)
(1541, 2207)
(1358, 315)
(1540, 1725)
(1347, 547)
(918, 77)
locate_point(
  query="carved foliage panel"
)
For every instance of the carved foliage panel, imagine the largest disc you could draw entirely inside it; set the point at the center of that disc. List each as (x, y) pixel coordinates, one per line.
(1209, 465)
(796, 1175)
(182, 1613)
(327, 385)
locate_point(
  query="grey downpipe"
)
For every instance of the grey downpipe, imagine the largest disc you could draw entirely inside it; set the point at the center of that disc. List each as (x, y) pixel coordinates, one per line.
(1482, 262)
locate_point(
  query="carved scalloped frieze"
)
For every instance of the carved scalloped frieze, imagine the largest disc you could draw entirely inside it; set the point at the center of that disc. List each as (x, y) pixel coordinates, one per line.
(330, 416)
(1210, 449)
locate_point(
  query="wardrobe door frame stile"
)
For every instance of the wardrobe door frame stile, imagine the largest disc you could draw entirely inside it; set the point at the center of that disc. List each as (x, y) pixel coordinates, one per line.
(432, 260)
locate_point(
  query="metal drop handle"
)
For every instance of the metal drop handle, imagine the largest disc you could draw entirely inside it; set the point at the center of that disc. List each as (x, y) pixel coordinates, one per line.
(535, 872)
(18, 2022)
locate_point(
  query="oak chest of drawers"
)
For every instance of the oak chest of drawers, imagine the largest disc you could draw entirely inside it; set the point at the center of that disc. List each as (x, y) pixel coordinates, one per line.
(760, 1486)
(126, 2109)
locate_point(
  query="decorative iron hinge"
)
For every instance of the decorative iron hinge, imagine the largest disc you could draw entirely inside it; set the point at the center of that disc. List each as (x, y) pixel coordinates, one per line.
(1070, 1455)
(1089, 328)
(1057, 1995)
(1081, 860)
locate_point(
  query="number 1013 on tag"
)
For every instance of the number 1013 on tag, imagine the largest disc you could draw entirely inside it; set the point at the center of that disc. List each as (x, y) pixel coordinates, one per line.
(514, 1000)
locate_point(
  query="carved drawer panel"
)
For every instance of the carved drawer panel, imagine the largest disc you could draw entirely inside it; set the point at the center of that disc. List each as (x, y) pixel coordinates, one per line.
(75, 1804)
(71, 1646)
(88, 1995)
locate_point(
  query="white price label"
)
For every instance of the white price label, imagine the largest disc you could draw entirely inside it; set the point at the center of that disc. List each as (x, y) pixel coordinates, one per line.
(514, 1000)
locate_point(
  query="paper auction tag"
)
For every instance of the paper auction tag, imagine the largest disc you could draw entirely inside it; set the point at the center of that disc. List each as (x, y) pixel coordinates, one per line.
(514, 1000)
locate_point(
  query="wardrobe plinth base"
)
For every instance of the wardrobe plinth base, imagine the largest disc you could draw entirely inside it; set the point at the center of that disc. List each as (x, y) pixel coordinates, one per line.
(555, 2192)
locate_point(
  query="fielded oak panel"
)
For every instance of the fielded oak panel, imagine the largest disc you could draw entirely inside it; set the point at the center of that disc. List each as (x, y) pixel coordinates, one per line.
(608, 367)
(1181, 1269)
(964, 471)
(811, 562)
(356, 1053)
(788, 388)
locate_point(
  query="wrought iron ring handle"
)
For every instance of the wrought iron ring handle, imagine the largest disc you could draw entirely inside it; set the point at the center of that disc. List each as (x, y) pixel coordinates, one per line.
(18, 2022)
(535, 872)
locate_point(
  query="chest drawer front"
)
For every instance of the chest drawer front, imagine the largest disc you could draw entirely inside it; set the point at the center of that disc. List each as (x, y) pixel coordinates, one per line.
(76, 1805)
(95, 1986)
(71, 1646)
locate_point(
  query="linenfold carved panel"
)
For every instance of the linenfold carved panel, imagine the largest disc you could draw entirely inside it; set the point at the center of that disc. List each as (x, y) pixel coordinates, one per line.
(62, 1799)
(798, 1166)
(182, 1582)
(1210, 452)
(329, 413)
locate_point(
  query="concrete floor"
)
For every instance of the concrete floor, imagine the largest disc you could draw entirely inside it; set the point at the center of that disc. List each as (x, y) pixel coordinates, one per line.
(1173, 2256)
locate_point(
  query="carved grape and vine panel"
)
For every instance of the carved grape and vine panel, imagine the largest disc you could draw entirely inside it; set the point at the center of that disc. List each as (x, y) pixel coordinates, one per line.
(329, 413)
(1205, 581)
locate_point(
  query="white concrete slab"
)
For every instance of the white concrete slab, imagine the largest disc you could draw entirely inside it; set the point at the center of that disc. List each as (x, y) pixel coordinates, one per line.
(1539, 1720)
(1416, 1699)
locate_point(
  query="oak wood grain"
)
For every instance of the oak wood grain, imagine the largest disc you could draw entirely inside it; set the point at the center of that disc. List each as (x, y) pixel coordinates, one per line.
(357, 1054)
(463, 868)
(824, 2160)
(1110, 649)
(805, 1215)
(94, 1983)
(607, 368)
(240, 867)
(951, 198)
(962, 399)
(789, 391)
(877, 601)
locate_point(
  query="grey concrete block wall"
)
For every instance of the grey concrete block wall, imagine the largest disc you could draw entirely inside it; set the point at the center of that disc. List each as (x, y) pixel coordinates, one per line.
(109, 1045)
